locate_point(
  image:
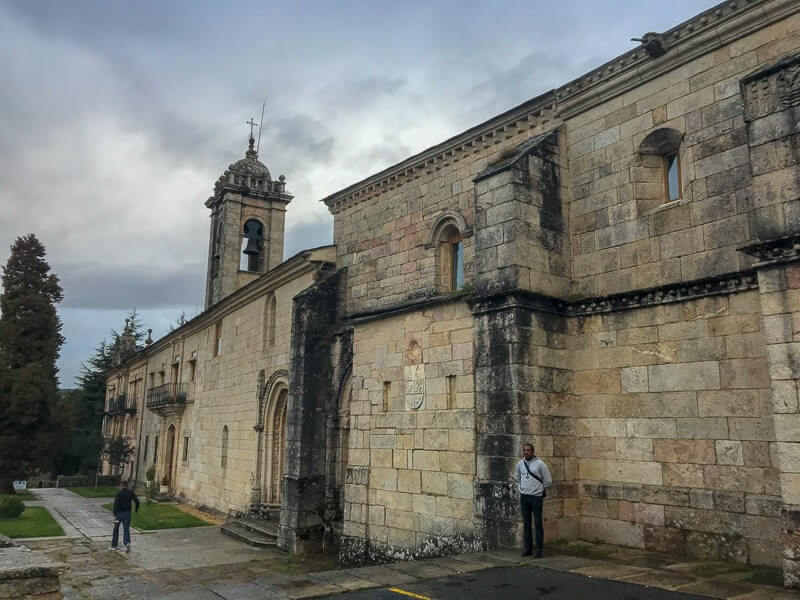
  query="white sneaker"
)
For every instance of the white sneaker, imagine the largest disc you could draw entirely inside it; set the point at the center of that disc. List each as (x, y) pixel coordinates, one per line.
(112, 548)
(127, 548)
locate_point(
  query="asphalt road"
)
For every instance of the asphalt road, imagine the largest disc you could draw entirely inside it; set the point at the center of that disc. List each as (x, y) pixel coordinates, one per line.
(519, 583)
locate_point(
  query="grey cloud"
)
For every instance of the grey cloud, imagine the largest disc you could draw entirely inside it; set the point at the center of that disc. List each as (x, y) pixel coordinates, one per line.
(354, 95)
(103, 287)
(390, 152)
(308, 235)
(298, 138)
(117, 118)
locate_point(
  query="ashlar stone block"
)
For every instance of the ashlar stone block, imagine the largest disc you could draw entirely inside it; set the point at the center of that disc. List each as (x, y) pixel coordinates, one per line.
(703, 375)
(729, 452)
(634, 379)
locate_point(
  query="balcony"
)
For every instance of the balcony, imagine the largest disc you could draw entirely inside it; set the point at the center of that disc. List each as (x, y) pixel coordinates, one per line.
(167, 399)
(121, 405)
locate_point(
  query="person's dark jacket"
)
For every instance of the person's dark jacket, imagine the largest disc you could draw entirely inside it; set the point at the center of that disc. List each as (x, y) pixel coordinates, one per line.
(123, 499)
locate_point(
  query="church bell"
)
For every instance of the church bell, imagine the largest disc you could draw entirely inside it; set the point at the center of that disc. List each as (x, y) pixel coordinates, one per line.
(252, 247)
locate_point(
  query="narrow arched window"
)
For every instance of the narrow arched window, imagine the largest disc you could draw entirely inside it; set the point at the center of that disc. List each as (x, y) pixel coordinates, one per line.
(660, 155)
(252, 258)
(270, 308)
(672, 176)
(451, 259)
(224, 454)
(273, 310)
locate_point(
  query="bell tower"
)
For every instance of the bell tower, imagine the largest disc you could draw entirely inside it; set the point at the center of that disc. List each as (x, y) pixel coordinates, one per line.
(247, 219)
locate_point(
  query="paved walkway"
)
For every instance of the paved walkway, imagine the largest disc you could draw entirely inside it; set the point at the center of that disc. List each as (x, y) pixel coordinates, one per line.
(78, 516)
(202, 564)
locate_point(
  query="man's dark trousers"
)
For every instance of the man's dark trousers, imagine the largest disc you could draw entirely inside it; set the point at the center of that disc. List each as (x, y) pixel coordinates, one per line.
(125, 519)
(532, 505)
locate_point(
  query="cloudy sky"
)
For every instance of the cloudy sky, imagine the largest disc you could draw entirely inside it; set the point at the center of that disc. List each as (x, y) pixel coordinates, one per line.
(117, 118)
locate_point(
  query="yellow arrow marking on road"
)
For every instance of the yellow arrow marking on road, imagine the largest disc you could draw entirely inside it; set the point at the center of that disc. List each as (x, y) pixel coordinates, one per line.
(409, 594)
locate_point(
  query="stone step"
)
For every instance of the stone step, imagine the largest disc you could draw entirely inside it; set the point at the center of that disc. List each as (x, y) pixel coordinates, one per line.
(247, 535)
(264, 527)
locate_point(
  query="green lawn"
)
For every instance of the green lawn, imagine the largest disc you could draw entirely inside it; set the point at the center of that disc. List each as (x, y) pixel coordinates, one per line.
(34, 521)
(161, 516)
(101, 491)
(22, 495)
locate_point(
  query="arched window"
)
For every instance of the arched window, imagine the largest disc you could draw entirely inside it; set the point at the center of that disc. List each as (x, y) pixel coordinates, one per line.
(451, 259)
(224, 454)
(447, 239)
(270, 310)
(216, 246)
(662, 161)
(252, 247)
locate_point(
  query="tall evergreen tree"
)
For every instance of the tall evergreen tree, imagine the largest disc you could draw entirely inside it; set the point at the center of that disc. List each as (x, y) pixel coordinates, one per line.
(179, 322)
(86, 404)
(30, 340)
(88, 400)
(136, 325)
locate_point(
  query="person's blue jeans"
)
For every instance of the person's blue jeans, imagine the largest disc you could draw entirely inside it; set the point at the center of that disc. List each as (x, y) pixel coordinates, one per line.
(125, 519)
(532, 507)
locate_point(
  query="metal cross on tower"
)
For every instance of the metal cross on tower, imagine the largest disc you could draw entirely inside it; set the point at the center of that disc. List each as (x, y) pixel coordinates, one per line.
(252, 124)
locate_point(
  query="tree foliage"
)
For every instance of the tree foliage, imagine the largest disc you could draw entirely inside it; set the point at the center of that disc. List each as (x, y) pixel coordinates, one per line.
(30, 341)
(179, 322)
(117, 451)
(87, 402)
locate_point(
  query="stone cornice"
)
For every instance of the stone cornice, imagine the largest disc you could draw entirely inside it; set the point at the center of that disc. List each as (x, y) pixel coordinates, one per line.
(516, 298)
(776, 251)
(699, 35)
(667, 294)
(528, 116)
(383, 312)
(703, 33)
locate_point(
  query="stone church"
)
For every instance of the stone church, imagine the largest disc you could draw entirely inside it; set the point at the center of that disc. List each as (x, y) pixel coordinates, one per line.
(610, 270)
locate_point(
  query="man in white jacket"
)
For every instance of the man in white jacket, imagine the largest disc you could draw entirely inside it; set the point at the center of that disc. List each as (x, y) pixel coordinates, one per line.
(533, 479)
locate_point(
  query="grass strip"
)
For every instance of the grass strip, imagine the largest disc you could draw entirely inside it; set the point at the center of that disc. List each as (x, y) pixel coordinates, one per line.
(35, 521)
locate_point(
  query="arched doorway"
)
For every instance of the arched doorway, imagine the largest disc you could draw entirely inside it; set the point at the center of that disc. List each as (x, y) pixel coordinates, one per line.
(169, 457)
(341, 446)
(275, 447)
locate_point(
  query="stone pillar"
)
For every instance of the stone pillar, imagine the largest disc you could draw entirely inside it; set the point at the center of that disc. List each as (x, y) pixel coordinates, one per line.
(772, 113)
(521, 235)
(303, 489)
(521, 356)
(779, 284)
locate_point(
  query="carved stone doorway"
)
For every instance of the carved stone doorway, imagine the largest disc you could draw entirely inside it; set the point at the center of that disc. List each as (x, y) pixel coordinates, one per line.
(275, 447)
(340, 447)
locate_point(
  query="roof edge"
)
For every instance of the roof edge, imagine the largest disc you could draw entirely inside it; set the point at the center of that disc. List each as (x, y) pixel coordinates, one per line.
(701, 34)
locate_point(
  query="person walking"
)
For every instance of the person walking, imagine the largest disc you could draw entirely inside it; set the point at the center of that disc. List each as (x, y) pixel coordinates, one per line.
(122, 514)
(533, 479)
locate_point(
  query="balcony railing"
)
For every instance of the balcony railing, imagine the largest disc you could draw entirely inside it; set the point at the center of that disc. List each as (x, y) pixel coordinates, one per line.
(169, 394)
(120, 405)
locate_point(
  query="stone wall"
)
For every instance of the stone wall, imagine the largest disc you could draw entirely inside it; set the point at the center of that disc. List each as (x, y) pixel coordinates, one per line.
(522, 372)
(675, 437)
(385, 239)
(225, 391)
(310, 403)
(624, 236)
(225, 394)
(411, 466)
(26, 575)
